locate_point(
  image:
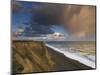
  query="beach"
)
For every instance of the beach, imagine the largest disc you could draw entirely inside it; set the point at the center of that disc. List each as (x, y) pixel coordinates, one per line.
(30, 56)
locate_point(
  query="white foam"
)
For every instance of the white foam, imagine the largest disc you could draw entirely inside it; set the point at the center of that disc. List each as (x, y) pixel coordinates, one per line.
(74, 56)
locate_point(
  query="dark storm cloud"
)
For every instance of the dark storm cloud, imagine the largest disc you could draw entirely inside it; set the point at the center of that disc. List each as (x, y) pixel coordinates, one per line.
(44, 16)
(47, 14)
(43, 13)
(78, 20)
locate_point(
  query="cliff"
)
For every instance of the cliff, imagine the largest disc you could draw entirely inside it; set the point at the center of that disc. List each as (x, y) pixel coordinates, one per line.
(33, 56)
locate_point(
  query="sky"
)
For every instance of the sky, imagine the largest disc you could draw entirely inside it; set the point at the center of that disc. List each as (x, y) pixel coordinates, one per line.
(77, 22)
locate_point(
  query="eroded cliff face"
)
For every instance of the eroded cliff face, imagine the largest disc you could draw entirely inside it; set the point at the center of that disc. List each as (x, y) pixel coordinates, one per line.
(33, 56)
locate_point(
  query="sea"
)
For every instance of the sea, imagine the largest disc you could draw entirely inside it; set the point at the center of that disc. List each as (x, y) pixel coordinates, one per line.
(87, 49)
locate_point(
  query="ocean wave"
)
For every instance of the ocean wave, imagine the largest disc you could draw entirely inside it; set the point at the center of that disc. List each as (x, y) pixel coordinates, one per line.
(87, 60)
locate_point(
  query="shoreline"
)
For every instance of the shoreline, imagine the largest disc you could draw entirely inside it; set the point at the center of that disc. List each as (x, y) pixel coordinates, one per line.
(76, 57)
(36, 57)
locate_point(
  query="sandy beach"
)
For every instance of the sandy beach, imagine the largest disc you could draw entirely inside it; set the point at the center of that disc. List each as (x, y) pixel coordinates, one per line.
(34, 57)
